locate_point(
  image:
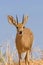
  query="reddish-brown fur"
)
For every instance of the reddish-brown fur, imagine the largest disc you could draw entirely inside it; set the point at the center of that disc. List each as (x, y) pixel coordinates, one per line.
(25, 41)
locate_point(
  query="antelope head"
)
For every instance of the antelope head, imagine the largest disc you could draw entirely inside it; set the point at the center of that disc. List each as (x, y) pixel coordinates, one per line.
(19, 26)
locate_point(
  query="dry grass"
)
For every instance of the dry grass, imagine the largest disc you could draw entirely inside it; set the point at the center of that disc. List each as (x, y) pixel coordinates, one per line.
(10, 61)
(32, 62)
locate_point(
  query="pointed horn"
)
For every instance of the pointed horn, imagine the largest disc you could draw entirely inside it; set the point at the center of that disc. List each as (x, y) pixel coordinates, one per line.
(23, 19)
(17, 19)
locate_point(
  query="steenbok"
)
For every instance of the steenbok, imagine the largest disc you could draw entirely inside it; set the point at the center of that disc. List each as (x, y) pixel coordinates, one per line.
(24, 36)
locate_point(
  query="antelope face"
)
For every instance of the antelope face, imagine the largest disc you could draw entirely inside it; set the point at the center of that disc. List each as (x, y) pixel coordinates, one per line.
(19, 26)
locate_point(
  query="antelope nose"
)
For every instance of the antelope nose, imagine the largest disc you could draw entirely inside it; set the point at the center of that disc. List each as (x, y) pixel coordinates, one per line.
(20, 32)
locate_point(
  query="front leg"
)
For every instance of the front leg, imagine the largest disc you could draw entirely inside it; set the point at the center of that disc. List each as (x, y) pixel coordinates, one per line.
(27, 57)
(19, 58)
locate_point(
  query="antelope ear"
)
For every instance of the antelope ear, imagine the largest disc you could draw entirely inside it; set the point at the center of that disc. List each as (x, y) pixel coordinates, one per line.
(11, 20)
(25, 18)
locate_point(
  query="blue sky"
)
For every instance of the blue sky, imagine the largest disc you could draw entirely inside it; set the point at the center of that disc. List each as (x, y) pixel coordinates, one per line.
(32, 8)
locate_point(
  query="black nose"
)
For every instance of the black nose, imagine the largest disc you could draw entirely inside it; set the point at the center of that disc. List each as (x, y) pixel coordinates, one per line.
(20, 32)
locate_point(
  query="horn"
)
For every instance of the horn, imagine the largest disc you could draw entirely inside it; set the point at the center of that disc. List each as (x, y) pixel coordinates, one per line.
(23, 19)
(17, 19)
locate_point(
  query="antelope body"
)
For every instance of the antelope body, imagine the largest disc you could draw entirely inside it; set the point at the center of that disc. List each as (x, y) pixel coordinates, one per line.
(24, 42)
(24, 36)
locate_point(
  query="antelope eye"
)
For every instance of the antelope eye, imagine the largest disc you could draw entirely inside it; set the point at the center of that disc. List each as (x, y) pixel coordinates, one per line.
(17, 27)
